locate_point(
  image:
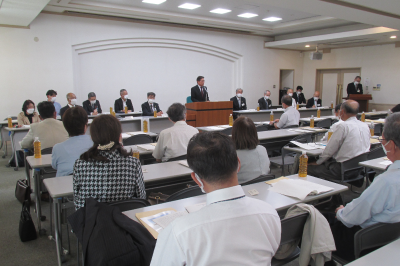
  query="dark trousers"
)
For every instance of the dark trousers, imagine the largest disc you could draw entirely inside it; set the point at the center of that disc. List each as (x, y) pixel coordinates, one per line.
(330, 169)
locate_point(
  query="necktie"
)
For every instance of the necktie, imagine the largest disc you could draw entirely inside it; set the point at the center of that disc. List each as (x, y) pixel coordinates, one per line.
(202, 93)
(151, 107)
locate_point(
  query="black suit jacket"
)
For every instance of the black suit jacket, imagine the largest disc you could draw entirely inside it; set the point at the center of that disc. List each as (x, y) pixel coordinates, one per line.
(146, 109)
(351, 89)
(119, 106)
(127, 242)
(300, 99)
(88, 107)
(310, 103)
(236, 106)
(196, 94)
(65, 108)
(263, 104)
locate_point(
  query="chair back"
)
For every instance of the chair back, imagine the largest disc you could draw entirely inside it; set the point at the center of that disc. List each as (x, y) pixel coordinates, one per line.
(47, 151)
(326, 123)
(292, 126)
(137, 139)
(179, 158)
(378, 129)
(334, 121)
(185, 193)
(129, 204)
(376, 153)
(292, 228)
(227, 131)
(262, 128)
(353, 165)
(375, 236)
(189, 99)
(261, 178)
(12, 117)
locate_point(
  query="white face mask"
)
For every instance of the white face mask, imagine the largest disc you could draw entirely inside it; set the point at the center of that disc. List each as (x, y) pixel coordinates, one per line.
(384, 149)
(93, 102)
(30, 111)
(356, 83)
(266, 97)
(53, 99)
(298, 92)
(126, 97)
(73, 101)
(290, 94)
(201, 183)
(151, 100)
(316, 98)
(239, 95)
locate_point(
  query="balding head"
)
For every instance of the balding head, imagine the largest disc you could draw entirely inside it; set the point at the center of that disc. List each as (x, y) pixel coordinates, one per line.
(349, 109)
(71, 96)
(316, 94)
(290, 92)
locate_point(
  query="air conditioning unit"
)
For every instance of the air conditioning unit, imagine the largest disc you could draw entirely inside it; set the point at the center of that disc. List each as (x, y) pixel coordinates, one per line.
(316, 55)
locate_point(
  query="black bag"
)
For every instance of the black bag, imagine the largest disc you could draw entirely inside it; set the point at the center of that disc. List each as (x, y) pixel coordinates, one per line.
(157, 197)
(22, 191)
(27, 230)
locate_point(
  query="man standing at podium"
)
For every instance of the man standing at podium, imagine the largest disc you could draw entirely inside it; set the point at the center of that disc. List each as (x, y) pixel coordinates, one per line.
(355, 87)
(199, 92)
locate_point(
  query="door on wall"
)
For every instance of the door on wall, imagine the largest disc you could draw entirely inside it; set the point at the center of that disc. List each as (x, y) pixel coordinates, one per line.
(332, 83)
(286, 81)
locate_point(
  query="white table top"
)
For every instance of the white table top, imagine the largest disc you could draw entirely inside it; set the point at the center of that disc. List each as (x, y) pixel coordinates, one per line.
(308, 119)
(62, 186)
(278, 201)
(281, 133)
(280, 110)
(24, 128)
(375, 164)
(151, 134)
(386, 255)
(5, 122)
(214, 128)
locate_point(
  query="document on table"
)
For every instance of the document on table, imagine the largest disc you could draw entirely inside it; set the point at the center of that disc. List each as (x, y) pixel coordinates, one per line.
(213, 128)
(196, 207)
(147, 147)
(27, 126)
(165, 220)
(149, 220)
(298, 188)
(386, 163)
(184, 163)
(308, 146)
(224, 126)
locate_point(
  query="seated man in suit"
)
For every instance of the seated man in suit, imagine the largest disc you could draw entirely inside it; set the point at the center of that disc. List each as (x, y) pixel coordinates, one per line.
(265, 102)
(355, 87)
(92, 105)
(396, 109)
(50, 131)
(299, 96)
(349, 139)
(119, 105)
(172, 142)
(71, 98)
(315, 101)
(239, 102)
(232, 229)
(290, 93)
(150, 106)
(290, 116)
(66, 153)
(51, 97)
(199, 92)
(379, 203)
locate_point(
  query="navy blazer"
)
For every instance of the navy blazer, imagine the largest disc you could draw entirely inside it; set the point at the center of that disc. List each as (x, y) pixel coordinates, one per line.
(89, 109)
(146, 111)
(196, 94)
(300, 99)
(236, 106)
(119, 106)
(263, 104)
(351, 89)
(310, 103)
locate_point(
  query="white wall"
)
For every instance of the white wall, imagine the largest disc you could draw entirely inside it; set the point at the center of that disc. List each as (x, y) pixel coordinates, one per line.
(166, 60)
(381, 64)
(287, 79)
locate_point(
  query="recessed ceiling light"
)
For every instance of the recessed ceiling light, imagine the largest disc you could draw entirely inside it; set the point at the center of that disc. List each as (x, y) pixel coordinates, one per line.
(393, 37)
(247, 15)
(155, 2)
(272, 19)
(220, 11)
(307, 45)
(189, 6)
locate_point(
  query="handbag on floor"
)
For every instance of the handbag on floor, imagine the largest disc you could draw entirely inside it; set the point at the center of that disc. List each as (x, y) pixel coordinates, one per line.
(22, 191)
(27, 230)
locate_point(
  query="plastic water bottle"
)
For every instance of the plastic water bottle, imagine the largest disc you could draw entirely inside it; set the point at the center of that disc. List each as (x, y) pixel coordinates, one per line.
(9, 120)
(372, 129)
(363, 117)
(145, 126)
(297, 106)
(37, 148)
(126, 109)
(319, 113)
(312, 122)
(332, 104)
(258, 108)
(271, 116)
(230, 120)
(303, 164)
(155, 113)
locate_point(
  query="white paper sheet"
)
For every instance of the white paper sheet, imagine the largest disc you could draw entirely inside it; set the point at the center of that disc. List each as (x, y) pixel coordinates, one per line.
(196, 207)
(298, 188)
(214, 128)
(165, 220)
(150, 220)
(308, 146)
(147, 147)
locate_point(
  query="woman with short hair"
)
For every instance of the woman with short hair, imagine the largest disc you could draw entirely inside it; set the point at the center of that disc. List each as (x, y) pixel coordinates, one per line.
(107, 172)
(253, 158)
(28, 114)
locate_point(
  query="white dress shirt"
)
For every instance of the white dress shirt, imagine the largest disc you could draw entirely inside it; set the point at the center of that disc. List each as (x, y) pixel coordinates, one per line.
(349, 139)
(123, 104)
(231, 230)
(379, 203)
(289, 117)
(239, 101)
(172, 142)
(332, 128)
(294, 103)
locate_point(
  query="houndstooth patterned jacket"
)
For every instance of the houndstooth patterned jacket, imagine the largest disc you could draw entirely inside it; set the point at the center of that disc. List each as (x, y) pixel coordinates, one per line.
(119, 179)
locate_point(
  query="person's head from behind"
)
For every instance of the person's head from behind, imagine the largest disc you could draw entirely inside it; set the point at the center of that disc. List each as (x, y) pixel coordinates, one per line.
(51, 95)
(299, 89)
(244, 134)
(391, 137)
(286, 101)
(357, 79)
(151, 97)
(105, 131)
(75, 121)
(337, 110)
(28, 107)
(316, 95)
(124, 94)
(213, 159)
(200, 81)
(92, 97)
(349, 109)
(71, 98)
(267, 94)
(290, 92)
(46, 110)
(177, 112)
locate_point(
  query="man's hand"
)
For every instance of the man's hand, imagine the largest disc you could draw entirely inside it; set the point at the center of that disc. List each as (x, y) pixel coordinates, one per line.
(95, 112)
(313, 106)
(339, 208)
(271, 122)
(159, 113)
(276, 120)
(129, 111)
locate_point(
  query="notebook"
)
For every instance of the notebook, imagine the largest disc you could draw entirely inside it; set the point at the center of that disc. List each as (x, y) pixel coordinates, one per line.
(298, 188)
(147, 219)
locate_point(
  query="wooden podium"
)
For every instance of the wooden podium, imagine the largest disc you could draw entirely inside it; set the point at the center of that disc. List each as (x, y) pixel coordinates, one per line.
(205, 114)
(362, 100)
